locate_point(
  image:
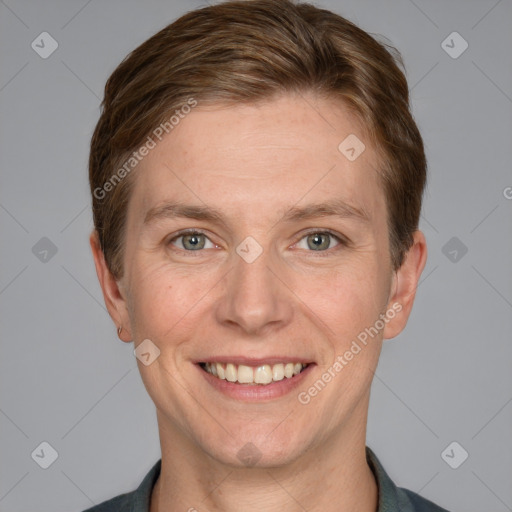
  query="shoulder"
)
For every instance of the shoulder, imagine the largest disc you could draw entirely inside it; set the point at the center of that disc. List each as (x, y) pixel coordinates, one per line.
(134, 501)
(393, 498)
(410, 500)
(121, 503)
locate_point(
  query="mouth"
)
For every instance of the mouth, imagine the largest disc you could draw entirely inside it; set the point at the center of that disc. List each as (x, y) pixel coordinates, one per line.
(262, 374)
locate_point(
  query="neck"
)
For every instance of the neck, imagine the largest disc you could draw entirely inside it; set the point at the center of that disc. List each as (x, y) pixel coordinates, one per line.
(333, 476)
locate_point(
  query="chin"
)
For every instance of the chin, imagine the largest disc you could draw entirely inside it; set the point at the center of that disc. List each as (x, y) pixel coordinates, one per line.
(255, 449)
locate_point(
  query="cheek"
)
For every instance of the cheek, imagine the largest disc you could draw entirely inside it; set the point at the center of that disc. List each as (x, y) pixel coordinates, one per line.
(168, 303)
(157, 302)
(347, 298)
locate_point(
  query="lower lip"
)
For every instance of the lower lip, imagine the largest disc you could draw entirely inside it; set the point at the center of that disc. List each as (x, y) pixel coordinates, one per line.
(257, 392)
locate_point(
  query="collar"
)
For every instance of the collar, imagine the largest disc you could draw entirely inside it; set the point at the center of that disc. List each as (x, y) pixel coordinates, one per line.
(391, 498)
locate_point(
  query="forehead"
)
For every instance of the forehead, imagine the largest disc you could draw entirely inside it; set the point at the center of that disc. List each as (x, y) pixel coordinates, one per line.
(251, 159)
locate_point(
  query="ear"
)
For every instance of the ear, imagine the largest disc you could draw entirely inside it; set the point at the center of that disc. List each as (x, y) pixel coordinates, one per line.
(114, 299)
(404, 285)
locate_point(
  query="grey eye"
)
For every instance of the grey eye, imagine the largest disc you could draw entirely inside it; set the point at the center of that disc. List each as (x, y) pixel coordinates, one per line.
(194, 241)
(319, 241)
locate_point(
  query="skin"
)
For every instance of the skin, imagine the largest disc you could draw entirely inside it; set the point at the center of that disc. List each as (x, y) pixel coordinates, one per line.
(252, 163)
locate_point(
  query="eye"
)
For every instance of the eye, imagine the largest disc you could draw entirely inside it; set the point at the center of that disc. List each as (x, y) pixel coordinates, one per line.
(319, 241)
(191, 241)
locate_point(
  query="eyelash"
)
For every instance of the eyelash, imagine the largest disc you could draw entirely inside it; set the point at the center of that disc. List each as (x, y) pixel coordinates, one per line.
(342, 241)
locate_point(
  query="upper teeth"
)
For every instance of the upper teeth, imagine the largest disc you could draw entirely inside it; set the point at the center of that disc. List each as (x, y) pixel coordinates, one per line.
(264, 374)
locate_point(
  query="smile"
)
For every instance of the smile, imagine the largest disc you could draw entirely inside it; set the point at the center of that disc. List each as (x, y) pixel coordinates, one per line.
(262, 374)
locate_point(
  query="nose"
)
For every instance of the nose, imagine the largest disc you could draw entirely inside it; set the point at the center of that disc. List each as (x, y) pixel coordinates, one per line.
(255, 299)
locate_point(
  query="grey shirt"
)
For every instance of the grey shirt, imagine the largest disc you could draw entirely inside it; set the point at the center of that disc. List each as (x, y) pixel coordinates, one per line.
(391, 497)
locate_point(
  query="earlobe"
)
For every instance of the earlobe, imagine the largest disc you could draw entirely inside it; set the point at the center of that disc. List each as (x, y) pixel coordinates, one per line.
(405, 283)
(114, 300)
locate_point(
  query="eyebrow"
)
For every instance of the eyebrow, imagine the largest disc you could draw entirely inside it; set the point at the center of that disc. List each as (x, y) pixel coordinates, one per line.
(170, 210)
(334, 208)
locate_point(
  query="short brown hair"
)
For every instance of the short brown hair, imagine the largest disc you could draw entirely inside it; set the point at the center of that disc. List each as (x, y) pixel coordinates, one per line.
(249, 50)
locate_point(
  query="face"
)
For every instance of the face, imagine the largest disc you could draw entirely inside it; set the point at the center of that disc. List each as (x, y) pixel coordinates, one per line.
(257, 251)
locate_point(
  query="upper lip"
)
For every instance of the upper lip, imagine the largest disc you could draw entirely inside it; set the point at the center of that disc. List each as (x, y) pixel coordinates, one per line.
(248, 361)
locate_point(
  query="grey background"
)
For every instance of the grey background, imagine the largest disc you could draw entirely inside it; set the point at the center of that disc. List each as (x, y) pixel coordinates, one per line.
(66, 379)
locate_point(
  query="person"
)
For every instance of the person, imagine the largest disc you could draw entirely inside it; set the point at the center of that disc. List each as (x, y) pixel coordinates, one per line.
(257, 179)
